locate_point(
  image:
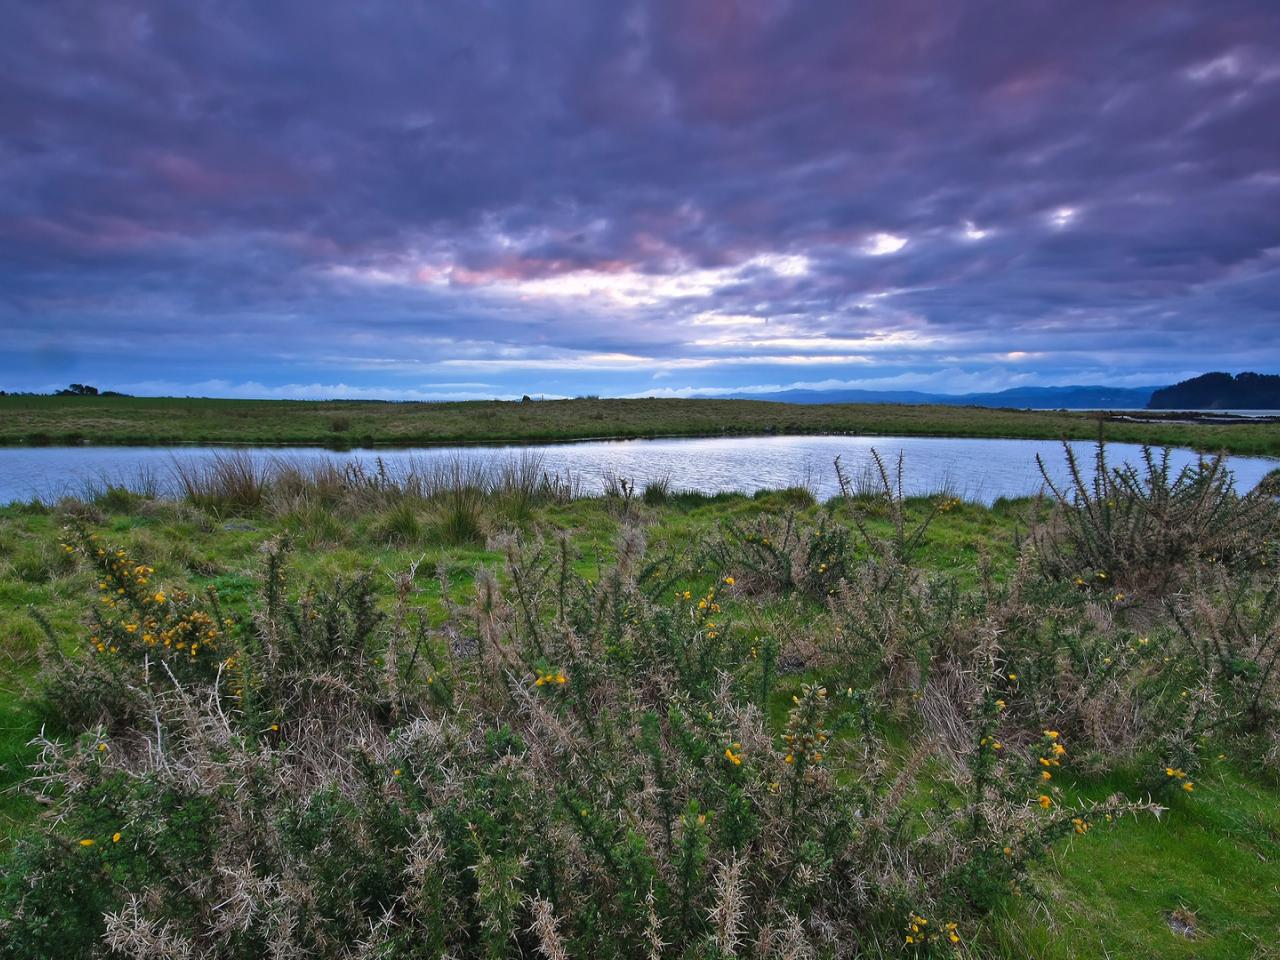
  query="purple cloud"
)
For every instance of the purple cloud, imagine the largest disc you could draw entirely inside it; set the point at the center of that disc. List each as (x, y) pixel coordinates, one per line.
(485, 199)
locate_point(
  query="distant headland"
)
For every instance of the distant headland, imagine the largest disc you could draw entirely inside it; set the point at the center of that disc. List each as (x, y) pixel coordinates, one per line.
(1220, 391)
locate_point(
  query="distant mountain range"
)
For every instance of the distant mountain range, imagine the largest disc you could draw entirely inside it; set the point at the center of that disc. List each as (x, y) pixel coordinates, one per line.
(1210, 391)
(1037, 398)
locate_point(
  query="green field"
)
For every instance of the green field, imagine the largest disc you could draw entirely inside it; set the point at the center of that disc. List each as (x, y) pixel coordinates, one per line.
(1201, 880)
(140, 420)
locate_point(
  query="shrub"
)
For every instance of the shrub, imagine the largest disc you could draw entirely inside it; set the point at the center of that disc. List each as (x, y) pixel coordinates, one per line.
(1136, 530)
(567, 767)
(881, 494)
(894, 627)
(1230, 625)
(784, 555)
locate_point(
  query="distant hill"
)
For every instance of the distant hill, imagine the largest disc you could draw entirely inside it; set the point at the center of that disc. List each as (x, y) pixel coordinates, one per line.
(1035, 398)
(1220, 391)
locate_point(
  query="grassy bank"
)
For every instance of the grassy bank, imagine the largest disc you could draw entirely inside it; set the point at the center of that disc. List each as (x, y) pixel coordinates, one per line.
(140, 420)
(590, 710)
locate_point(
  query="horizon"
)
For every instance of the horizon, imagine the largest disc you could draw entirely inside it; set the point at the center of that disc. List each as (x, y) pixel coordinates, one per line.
(104, 390)
(670, 200)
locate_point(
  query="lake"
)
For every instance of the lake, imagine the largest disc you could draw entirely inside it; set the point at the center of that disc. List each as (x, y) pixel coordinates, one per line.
(981, 470)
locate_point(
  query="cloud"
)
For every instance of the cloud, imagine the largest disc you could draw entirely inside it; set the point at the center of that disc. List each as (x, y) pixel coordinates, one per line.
(250, 389)
(578, 197)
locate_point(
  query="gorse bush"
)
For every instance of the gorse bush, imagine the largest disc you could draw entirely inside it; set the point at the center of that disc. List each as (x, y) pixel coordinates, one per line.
(1230, 627)
(880, 494)
(1139, 530)
(566, 767)
(891, 624)
(784, 555)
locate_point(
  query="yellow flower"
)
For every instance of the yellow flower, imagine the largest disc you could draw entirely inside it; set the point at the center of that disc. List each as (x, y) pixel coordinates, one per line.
(732, 757)
(1046, 775)
(115, 837)
(395, 772)
(1000, 704)
(1051, 734)
(86, 842)
(1045, 801)
(1013, 676)
(789, 758)
(1008, 851)
(1188, 786)
(730, 581)
(159, 597)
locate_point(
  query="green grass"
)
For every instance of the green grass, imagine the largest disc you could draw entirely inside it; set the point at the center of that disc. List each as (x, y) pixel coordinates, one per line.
(139, 420)
(1215, 854)
(1108, 895)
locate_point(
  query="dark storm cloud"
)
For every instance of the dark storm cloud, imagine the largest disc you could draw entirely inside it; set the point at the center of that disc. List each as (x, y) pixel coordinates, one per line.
(577, 194)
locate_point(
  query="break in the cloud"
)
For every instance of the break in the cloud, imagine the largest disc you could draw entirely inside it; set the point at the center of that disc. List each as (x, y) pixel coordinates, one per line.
(464, 198)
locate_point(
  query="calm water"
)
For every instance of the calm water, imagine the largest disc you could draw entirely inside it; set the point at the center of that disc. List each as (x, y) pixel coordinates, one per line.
(976, 469)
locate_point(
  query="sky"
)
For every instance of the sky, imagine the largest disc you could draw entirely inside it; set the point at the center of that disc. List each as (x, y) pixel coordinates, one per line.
(491, 198)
